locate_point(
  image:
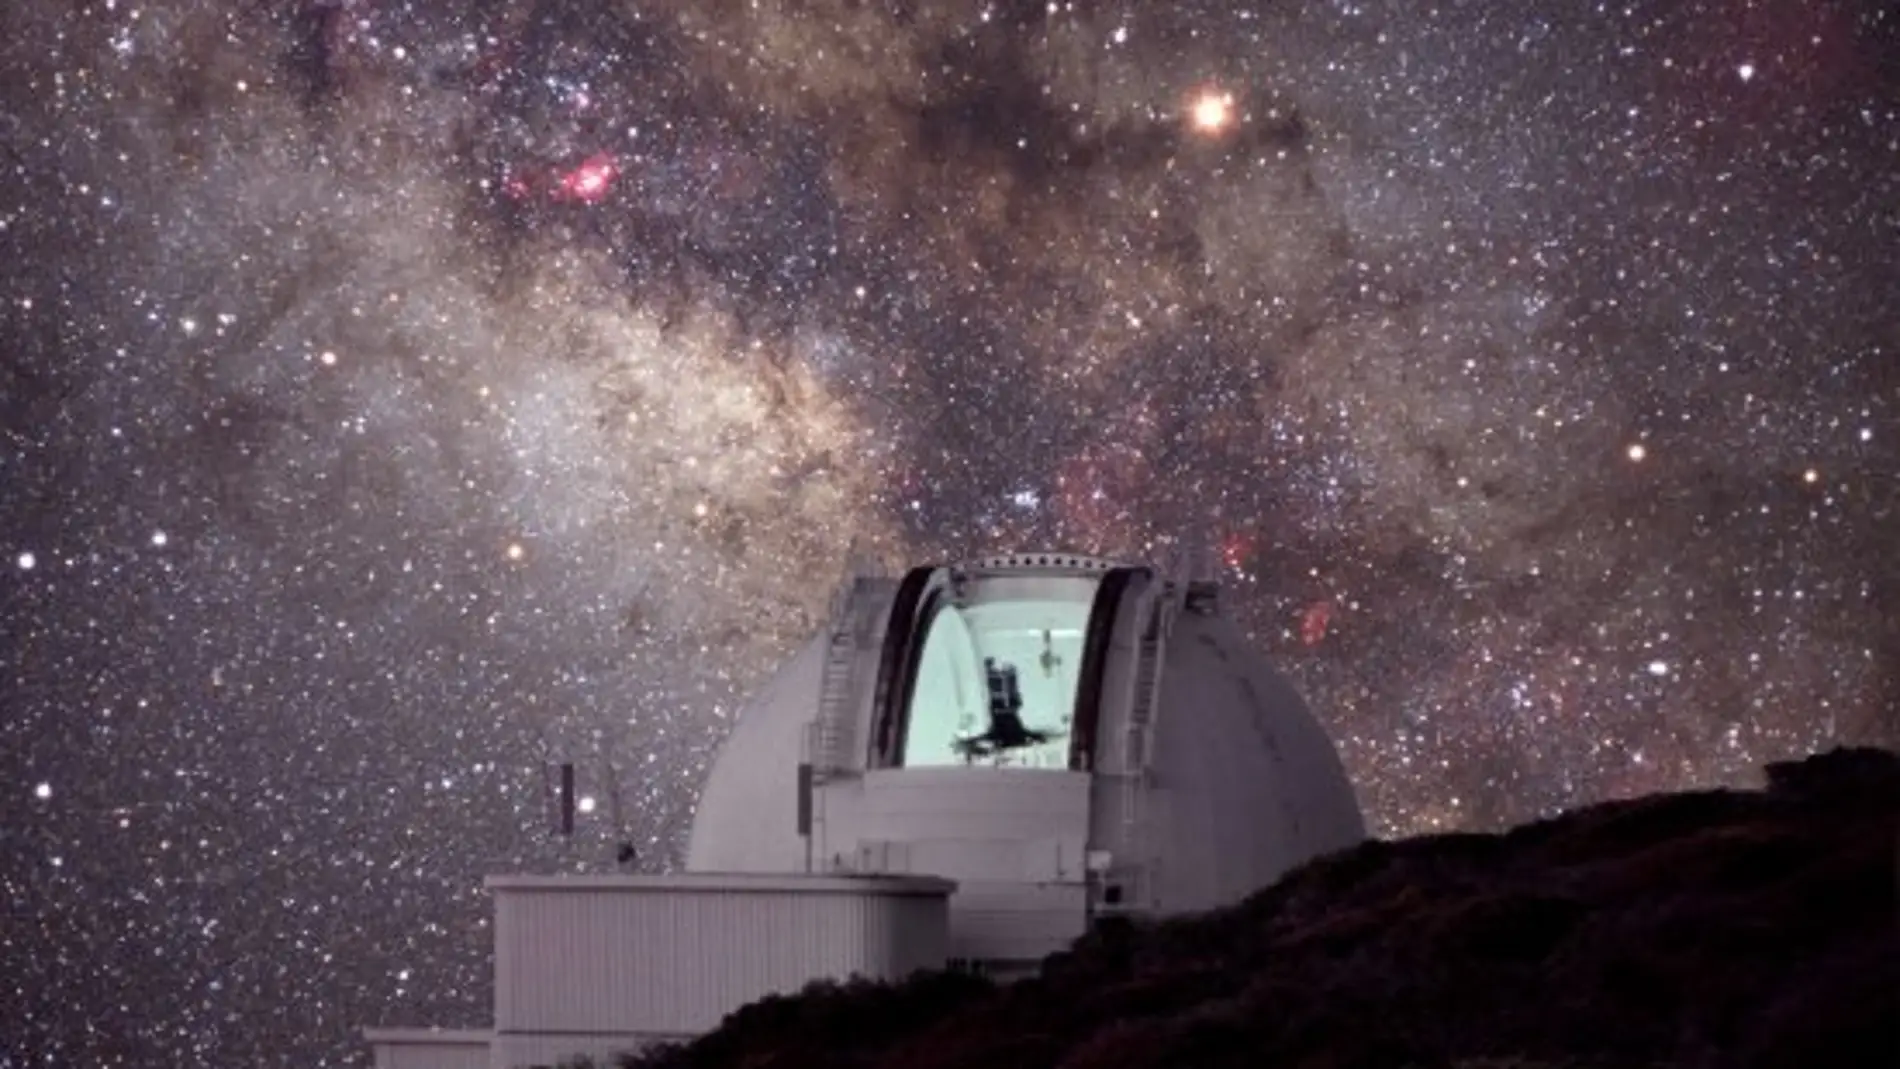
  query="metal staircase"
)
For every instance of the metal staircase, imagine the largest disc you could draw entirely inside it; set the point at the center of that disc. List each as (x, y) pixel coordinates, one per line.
(1132, 871)
(834, 727)
(1147, 688)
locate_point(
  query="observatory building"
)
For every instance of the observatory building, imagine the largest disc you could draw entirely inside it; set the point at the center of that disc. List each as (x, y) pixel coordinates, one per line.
(968, 767)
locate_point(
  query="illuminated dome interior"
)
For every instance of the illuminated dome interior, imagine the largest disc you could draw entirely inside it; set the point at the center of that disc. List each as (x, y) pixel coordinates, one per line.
(1036, 644)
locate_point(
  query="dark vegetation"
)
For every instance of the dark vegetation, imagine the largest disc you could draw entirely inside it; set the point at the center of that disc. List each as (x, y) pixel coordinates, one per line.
(1715, 929)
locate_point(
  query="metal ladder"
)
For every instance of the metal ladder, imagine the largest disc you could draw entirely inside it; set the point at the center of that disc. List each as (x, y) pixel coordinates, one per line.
(1147, 689)
(836, 721)
(1146, 694)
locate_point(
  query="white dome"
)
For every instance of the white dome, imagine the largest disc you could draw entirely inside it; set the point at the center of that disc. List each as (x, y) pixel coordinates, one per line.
(1254, 785)
(746, 820)
(1140, 757)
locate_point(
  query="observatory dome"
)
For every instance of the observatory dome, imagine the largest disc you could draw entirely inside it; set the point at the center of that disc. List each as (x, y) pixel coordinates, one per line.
(1066, 737)
(1253, 784)
(743, 822)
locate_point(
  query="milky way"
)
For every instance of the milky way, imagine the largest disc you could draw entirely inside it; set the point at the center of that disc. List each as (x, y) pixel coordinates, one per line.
(399, 397)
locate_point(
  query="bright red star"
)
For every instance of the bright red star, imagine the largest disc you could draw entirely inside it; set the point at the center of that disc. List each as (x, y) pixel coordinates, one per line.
(1211, 112)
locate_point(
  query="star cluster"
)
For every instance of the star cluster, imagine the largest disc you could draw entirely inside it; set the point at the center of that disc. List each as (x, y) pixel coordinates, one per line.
(398, 397)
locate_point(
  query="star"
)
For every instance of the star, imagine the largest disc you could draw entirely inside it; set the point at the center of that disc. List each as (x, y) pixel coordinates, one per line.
(1211, 111)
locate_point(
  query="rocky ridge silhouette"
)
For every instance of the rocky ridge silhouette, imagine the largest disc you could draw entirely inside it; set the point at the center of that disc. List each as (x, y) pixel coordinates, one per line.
(1713, 929)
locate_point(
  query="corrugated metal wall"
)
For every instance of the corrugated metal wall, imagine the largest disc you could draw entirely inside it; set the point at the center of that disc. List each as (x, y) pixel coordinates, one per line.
(670, 961)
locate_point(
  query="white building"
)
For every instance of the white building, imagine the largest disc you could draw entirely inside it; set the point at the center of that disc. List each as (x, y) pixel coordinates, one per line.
(429, 1048)
(968, 766)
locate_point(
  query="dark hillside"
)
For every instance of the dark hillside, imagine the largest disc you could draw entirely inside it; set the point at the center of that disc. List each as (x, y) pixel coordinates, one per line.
(1713, 929)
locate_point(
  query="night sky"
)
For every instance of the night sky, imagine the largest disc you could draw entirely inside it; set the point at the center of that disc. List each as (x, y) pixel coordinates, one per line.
(395, 398)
